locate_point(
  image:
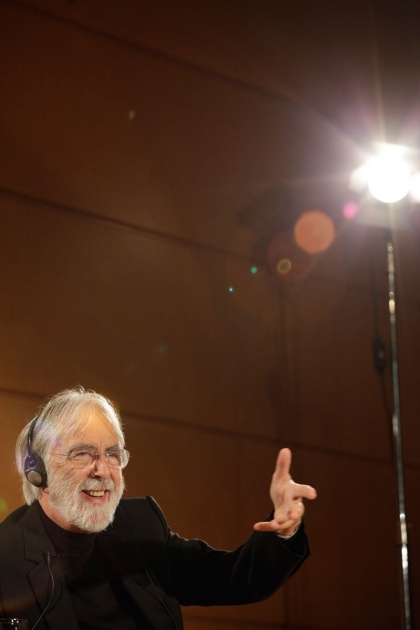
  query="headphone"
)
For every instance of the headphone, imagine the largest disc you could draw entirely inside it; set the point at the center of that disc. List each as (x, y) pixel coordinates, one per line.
(34, 467)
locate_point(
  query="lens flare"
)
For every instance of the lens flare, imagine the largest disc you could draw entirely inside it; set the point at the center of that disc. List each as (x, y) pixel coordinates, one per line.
(284, 266)
(350, 210)
(286, 260)
(314, 232)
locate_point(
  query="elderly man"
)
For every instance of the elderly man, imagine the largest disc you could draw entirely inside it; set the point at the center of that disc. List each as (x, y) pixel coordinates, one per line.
(77, 555)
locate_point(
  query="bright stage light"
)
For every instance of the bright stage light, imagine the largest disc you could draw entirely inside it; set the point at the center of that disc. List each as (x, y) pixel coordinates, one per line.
(389, 175)
(415, 188)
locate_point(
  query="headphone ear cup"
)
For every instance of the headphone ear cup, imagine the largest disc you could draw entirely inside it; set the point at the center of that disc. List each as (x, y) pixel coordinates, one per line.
(35, 471)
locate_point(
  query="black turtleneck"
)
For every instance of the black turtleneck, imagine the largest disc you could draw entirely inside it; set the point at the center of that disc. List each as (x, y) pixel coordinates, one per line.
(99, 600)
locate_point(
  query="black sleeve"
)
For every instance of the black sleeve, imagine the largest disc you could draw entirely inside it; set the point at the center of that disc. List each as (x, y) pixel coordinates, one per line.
(202, 575)
(206, 576)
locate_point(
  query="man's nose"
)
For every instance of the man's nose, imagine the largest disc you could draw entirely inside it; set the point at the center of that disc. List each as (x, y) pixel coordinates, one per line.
(100, 467)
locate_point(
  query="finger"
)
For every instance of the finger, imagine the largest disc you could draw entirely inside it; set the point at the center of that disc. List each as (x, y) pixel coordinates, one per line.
(284, 461)
(270, 526)
(277, 525)
(297, 491)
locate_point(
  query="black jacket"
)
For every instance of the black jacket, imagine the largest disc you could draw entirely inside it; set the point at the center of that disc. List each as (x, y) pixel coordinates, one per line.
(158, 569)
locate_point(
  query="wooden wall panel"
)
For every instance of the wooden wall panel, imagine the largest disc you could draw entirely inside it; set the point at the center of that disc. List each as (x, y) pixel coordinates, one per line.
(137, 165)
(276, 49)
(352, 578)
(149, 320)
(108, 128)
(15, 411)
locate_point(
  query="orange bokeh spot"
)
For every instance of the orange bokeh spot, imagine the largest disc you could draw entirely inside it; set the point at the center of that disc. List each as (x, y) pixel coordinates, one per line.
(314, 232)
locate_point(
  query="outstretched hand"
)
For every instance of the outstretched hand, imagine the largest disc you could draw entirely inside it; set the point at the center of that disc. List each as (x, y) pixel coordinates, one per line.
(286, 496)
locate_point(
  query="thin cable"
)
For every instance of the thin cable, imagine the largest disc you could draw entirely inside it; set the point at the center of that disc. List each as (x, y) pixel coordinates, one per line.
(52, 582)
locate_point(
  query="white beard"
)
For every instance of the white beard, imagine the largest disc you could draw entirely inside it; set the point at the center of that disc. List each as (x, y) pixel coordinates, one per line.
(65, 498)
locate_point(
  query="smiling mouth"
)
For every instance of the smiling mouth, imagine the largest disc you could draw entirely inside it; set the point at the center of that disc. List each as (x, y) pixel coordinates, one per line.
(95, 493)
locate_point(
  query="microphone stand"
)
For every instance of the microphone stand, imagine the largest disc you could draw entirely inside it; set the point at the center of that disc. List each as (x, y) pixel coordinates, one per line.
(396, 429)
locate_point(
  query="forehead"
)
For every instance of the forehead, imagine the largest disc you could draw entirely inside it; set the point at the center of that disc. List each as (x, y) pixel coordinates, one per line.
(95, 430)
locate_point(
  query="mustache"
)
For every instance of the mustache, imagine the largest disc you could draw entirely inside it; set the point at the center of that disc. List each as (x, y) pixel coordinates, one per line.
(96, 484)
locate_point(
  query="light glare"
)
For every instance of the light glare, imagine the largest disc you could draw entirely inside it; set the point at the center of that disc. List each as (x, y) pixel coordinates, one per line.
(415, 187)
(389, 176)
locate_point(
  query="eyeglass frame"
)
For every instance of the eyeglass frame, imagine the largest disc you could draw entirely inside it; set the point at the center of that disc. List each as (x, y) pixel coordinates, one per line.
(95, 456)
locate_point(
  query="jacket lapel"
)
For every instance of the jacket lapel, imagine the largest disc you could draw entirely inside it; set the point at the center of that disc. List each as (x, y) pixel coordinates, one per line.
(127, 561)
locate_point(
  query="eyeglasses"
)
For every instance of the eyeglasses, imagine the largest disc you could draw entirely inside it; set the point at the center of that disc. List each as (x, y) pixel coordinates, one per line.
(83, 457)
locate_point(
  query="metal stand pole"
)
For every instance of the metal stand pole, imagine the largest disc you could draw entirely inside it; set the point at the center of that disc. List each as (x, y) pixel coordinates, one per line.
(396, 427)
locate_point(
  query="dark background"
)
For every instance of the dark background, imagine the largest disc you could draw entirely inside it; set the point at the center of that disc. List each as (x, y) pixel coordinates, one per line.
(151, 154)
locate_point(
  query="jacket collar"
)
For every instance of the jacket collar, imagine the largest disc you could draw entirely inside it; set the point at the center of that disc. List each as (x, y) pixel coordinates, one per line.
(138, 581)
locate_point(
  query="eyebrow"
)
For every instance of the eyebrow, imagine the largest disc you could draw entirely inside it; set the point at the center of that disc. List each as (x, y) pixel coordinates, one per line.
(91, 446)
